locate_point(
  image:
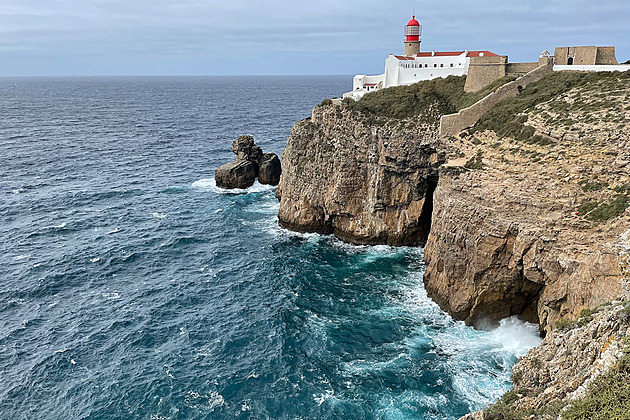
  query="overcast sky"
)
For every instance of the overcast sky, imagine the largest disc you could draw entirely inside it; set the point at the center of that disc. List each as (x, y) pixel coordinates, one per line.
(236, 37)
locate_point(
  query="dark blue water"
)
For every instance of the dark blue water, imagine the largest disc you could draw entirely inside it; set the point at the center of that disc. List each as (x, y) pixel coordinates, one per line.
(132, 287)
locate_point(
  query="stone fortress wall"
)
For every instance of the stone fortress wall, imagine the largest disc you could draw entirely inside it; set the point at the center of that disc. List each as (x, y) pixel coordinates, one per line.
(454, 123)
(587, 55)
(484, 70)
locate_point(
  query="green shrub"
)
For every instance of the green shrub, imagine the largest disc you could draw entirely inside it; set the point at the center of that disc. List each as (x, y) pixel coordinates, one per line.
(587, 207)
(428, 100)
(610, 209)
(326, 102)
(565, 324)
(588, 186)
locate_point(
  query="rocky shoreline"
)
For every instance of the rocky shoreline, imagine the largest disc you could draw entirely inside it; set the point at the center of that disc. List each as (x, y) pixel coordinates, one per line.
(531, 223)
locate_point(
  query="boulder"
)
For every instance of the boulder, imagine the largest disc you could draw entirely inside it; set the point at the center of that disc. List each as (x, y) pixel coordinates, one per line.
(237, 174)
(245, 149)
(270, 169)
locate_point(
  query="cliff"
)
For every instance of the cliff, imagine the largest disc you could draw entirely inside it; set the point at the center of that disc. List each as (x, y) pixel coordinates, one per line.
(523, 214)
(580, 371)
(366, 171)
(532, 224)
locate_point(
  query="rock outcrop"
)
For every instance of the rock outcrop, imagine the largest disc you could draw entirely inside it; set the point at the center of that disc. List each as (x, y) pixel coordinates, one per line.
(363, 183)
(566, 373)
(250, 163)
(237, 174)
(532, 221)
(270, 170)
(534, 229)
(570, 358)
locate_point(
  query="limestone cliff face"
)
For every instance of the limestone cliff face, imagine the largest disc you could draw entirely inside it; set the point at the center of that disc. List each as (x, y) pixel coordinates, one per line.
(534, 229)
(512, 227)
(506, 240)
(569, 359)
(365, 183)
(560, 372)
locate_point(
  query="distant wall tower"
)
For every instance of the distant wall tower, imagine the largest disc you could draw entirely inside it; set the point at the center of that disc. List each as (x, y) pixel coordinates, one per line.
(413, 31)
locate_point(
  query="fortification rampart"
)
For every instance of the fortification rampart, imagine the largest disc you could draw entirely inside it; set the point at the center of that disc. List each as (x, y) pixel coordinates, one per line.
(585, 55)
(454, 123)
(521, 68)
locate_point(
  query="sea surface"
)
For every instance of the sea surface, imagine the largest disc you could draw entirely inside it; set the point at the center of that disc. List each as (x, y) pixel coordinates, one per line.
(131, 287)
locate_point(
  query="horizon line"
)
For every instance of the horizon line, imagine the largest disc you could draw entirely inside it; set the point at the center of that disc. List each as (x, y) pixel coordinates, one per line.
(174, 75)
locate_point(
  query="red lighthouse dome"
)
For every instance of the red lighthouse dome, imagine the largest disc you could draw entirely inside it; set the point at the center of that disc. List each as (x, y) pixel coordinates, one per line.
(413, 30)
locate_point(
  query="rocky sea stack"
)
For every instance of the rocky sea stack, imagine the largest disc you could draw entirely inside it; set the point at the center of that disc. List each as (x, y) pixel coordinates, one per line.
(250, 163)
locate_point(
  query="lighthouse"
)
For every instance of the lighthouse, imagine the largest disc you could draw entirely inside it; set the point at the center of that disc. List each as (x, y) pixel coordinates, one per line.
(414, 66)
(413, 30)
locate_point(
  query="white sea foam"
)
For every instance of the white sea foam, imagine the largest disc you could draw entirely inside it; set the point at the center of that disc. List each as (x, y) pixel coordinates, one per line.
(158, 215)
(514, 336)
(479, 362)
(209, 184)
(21, 257)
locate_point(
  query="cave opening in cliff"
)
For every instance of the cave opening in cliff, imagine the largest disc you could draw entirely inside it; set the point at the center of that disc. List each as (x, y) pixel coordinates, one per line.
(427, 210)
(530, 292)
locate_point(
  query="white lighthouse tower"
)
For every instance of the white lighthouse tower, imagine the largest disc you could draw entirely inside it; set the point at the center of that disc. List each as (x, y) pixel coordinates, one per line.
(413, 31)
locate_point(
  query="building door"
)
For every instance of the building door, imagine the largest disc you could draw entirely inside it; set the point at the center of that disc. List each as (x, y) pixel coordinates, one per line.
(570, 61)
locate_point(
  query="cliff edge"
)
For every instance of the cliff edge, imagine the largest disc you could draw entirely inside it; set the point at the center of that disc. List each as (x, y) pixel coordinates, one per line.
(525, 213)
(521, 214)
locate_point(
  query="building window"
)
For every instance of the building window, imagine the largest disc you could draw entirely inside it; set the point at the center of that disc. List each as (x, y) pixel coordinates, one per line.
(435, 65)
(442, 65)
(426, 65)
(451, 64)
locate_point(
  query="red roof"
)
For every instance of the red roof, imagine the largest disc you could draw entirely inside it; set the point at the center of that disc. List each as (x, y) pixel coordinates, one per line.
(369, 84)
(448, 54)
(413, 21)
(479, 54)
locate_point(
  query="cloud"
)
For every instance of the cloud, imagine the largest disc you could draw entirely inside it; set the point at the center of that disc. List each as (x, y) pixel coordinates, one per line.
(36, 36)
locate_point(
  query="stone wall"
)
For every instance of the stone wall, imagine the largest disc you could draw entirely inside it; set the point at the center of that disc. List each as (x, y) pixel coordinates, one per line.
(606, 55)
(454, 123)
(484, 70)
(585, 55)
(521, 68)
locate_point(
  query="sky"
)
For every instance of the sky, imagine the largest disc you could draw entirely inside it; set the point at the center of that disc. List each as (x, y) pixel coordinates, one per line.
(274, 37)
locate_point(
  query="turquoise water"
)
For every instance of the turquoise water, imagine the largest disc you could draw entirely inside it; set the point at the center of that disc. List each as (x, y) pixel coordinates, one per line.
(134, 288)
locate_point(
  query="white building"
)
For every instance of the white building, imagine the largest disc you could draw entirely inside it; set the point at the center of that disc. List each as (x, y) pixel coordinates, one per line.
(414, 65)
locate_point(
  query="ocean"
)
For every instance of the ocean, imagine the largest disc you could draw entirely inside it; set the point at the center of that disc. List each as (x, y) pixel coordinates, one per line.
(133, 288)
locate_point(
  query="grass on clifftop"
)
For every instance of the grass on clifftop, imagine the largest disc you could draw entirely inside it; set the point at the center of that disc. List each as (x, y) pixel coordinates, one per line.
(428, 99)
(508, 117)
